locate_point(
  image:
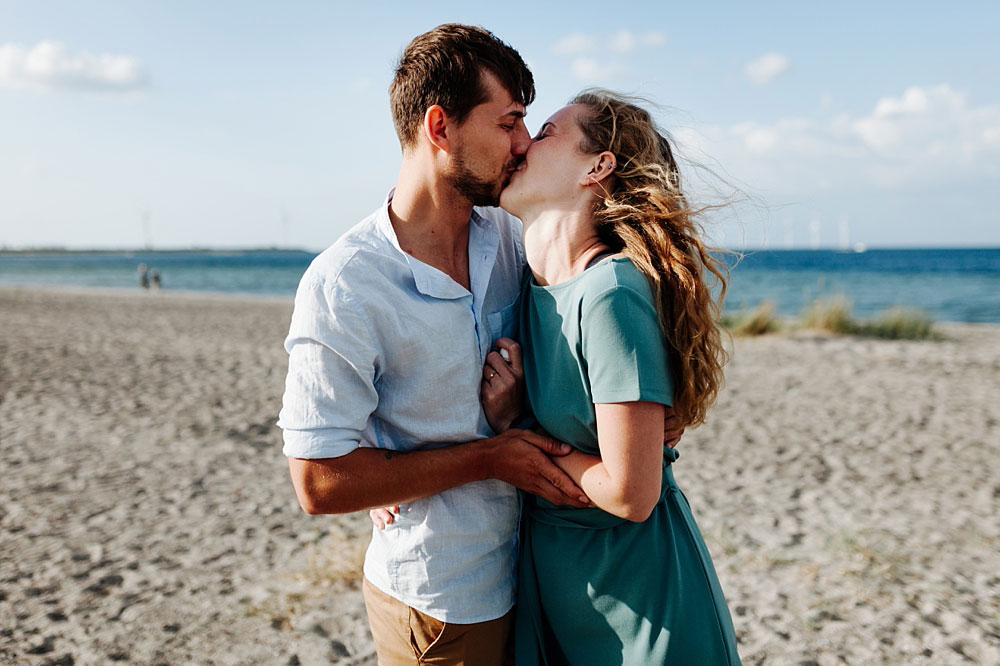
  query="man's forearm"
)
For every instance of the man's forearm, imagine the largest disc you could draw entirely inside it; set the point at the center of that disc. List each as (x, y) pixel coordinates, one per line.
(367, 478)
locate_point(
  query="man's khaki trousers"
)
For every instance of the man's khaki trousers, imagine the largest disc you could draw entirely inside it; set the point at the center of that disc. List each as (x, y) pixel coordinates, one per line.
(406, 637)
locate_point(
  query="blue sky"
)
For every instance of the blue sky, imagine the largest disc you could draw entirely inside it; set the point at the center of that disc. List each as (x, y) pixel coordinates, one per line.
(247, 124)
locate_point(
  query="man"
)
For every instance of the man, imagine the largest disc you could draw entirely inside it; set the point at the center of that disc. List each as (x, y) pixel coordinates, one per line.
(392, 328)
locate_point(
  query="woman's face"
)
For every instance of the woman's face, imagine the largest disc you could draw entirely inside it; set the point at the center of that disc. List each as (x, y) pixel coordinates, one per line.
(554, 172)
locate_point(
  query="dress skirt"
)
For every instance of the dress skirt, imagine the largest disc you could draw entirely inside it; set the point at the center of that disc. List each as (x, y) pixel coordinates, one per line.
(597, 589)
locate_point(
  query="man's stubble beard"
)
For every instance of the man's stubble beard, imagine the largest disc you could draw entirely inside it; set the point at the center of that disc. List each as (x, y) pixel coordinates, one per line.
(478, 191)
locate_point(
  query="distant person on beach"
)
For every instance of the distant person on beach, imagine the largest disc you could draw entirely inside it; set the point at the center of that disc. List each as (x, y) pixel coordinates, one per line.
(156, 279)
(616, 313)
(143, 275)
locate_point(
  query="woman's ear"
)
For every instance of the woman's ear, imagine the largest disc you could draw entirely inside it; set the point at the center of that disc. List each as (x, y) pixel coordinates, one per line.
(436, 127)
(602, 167)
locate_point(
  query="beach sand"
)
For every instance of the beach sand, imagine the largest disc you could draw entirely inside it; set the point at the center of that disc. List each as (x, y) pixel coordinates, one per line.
(849, 491)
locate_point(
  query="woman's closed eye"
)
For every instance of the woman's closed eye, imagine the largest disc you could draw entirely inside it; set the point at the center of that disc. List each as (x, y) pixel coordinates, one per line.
(543, 132)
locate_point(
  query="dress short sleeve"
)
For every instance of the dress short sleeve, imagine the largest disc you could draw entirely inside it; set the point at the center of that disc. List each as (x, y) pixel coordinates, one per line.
(624, 348)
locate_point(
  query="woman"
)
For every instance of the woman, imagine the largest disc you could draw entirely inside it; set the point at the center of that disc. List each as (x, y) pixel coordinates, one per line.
(617, 323)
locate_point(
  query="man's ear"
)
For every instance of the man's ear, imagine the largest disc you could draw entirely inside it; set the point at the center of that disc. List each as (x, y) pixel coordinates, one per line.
(602, 166)
(436, 127)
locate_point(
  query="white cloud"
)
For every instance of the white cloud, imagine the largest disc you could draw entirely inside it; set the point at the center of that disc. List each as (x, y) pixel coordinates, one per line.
(624, 41)
(766, 68)
(653, 38)
(620, 41)
(923, 110)
(575, 43)
(51, 66)
(591, 70)
(597, 59)
(928, 136)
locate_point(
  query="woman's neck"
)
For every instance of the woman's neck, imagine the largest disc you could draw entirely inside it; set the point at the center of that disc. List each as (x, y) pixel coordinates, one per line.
(560, 244)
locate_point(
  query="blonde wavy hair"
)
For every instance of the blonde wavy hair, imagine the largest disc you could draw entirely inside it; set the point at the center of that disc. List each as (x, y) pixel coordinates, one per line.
(645, 215)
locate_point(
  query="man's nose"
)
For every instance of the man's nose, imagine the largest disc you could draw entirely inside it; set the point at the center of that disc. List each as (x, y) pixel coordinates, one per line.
(519, 146)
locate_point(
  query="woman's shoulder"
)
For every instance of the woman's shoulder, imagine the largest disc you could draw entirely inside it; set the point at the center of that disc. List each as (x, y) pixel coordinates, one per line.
(617, 272)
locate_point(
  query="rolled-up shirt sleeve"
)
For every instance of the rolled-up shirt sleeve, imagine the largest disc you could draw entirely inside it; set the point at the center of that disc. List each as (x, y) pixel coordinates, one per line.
(332, 368)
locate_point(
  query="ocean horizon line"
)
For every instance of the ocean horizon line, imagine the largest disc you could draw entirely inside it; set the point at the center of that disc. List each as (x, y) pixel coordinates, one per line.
(204, 249)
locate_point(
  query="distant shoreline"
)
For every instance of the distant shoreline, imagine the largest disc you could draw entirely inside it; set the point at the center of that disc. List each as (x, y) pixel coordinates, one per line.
(7, 252)
(36, 251)
(190, 295)
(949, 284)
(151, 294)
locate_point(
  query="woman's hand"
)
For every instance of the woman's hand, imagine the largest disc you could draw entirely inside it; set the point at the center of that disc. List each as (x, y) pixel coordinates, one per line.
(383, 516)
(502, 389)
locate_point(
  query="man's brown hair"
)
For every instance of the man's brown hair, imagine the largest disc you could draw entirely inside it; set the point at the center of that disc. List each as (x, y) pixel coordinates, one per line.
(443, 66)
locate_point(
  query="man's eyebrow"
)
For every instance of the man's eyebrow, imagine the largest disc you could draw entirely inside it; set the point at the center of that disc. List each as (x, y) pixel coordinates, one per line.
(516, 113)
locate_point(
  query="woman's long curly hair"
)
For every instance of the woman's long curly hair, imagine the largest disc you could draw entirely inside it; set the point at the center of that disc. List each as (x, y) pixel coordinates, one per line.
(645, 215)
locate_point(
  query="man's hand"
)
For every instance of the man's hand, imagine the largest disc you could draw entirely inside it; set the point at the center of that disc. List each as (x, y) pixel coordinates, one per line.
(502, 389)
(521, 458)
(672, 432)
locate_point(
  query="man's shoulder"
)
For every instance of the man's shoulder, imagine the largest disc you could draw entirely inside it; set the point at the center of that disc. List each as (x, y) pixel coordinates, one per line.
(351, 256)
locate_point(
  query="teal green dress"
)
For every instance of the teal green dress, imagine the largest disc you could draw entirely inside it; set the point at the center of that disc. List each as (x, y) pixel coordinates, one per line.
(594, 588)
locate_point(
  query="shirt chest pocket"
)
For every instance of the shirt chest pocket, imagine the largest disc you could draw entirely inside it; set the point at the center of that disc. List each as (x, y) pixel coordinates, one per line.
(503, 323)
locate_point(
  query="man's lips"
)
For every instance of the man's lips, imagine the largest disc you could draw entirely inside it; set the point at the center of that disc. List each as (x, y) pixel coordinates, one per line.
(510, 171)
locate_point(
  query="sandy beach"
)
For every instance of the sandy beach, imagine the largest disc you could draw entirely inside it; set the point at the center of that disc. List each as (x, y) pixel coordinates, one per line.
(849, 491)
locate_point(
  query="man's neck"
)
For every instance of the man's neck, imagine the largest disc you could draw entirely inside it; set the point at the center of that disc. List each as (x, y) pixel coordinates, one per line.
(431, 222)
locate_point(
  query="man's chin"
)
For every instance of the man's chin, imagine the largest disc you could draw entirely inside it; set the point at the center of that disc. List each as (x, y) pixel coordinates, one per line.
(493, 199)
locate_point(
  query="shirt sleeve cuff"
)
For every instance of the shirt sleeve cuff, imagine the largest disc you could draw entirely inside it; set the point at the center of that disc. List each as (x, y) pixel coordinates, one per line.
(322, 443)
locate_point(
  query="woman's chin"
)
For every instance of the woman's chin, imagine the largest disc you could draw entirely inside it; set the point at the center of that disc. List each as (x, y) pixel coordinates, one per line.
(508, 201)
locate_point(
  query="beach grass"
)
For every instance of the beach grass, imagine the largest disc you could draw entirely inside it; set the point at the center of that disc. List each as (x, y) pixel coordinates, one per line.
(758, 321)
(901, 324)
(833, 314)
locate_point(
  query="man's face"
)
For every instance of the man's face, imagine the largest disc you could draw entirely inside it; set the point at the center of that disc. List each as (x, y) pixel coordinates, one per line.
(488, 146)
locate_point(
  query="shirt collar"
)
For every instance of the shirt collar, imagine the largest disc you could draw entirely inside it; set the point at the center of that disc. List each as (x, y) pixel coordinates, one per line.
(484, 239)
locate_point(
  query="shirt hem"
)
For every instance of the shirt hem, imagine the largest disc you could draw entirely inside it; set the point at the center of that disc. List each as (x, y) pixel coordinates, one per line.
(436, 614)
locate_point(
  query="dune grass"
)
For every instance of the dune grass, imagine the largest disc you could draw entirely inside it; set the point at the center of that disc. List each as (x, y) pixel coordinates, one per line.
(758, 321)
(899, 323)
(834, 315)
(829, 314)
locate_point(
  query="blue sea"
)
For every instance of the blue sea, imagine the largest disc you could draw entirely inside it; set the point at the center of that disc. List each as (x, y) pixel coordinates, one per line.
(961, 285)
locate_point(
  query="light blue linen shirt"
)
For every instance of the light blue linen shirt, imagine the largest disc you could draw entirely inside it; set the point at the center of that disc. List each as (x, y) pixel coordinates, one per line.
(386, 351)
